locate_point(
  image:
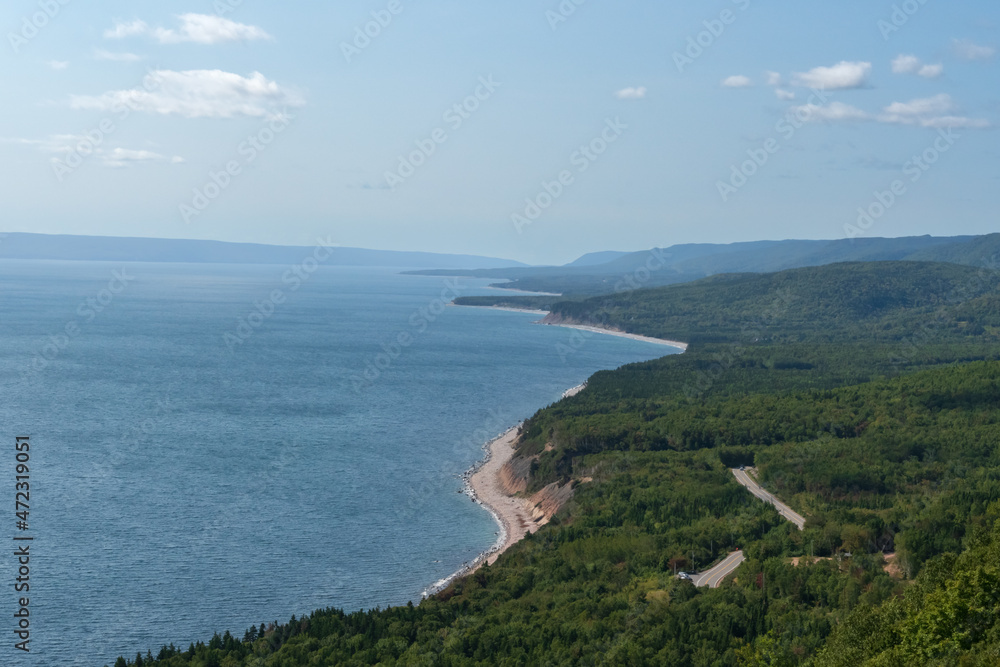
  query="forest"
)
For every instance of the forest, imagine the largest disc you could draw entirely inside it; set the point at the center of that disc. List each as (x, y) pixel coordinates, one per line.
(866, 396)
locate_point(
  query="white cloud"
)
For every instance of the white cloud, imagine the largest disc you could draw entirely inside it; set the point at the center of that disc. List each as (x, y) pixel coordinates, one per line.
(842, 76)
(64, 144)
(929, 112)
(784, 95)
(773, 78)
(904, 64)
(737, 81)
(835, 111)
(197, 94)
(631, 93)
(907, 64)
(931, 71)
(929, 105)
(58, 64)
(101, 54)
(122, 30)
(196, 28)
(971, 51)
(124, 157)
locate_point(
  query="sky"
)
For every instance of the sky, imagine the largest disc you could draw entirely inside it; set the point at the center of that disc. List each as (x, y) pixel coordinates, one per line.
(535, 130)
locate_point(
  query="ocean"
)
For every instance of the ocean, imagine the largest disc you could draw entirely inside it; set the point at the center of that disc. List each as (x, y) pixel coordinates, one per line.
(216, 446)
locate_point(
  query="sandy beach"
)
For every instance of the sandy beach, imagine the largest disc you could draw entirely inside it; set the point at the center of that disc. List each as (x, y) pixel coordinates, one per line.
(622, 334)
(530, 311)
(590, 329)
(511, 512)
(483, 483)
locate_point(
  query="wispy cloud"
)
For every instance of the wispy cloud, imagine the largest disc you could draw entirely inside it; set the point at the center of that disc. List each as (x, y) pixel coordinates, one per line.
(196, 28)
(784, 95)
(737, 81)
(197, 94)
(58, 64)
(774, 78)
(124, 29)
(934, 111)
(631, 93)
(931, 112)
(909, 64)
(972, 51)
(120, 158)
(842, 76)
(835, 111)
(63, 144)
(101, 54)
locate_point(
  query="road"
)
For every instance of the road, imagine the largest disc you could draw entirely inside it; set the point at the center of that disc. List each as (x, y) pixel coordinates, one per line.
(712, 578)
(784, 510)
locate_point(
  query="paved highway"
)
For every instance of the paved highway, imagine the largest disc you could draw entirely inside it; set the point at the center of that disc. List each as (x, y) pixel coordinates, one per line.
(784, 510)
(712, 578)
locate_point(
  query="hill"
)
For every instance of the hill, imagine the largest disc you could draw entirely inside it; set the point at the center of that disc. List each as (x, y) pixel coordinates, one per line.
(685, 263)
(115, 249)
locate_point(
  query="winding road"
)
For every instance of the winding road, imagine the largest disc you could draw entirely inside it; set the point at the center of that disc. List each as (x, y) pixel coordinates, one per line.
(713, 578)
(784, 510)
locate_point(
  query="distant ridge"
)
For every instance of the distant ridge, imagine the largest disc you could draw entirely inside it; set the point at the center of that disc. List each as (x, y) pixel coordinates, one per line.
(693, 261)
(596, 258)
(122, 249)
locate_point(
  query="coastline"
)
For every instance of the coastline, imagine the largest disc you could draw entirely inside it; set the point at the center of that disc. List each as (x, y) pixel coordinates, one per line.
(509, 309)
(589, 328)
(621, 334)
(482, 482)
(512, 514)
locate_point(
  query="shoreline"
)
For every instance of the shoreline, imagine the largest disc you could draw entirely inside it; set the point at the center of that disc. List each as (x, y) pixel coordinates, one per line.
(509, 309)
(621, 334)
(589, 327)
(482, 483)
(511, 514)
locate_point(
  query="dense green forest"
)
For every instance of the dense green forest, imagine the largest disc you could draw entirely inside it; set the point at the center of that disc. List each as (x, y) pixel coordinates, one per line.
(866, 396)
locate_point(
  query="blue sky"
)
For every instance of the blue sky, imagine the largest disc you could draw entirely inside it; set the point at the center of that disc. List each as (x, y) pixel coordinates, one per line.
(579, 127)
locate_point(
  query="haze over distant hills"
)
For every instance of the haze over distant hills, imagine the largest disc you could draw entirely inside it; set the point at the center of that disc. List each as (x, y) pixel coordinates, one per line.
(107, 248)
(688, 262)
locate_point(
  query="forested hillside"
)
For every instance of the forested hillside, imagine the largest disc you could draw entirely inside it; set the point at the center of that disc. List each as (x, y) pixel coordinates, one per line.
(865, 395)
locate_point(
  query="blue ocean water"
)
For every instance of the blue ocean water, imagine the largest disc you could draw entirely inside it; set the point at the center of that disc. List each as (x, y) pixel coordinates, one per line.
(216, 446)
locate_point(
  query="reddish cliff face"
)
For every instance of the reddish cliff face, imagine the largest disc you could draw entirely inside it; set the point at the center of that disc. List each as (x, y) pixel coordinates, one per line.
(514, 475)
(549, 500)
